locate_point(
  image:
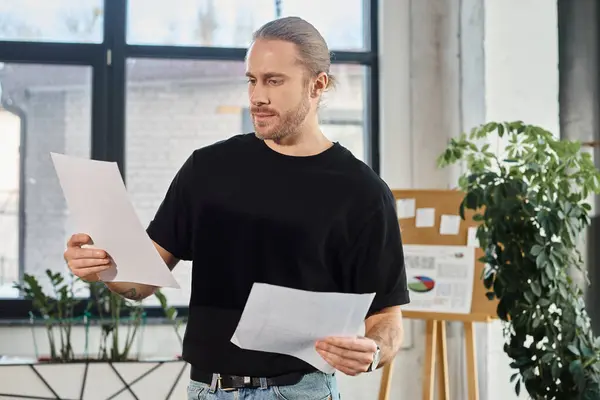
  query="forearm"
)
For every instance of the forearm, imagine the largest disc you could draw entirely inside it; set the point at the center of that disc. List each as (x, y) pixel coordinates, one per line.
(386, 330)
(131, 291)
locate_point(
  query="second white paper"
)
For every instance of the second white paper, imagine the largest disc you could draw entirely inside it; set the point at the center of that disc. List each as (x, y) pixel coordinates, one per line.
(290, 321)
(425, 218)
(100, 207)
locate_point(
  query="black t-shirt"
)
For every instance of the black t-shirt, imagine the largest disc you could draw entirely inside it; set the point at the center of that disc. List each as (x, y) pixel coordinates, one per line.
(244, 213)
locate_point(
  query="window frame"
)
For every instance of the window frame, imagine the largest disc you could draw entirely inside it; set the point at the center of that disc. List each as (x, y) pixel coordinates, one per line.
(108, 62)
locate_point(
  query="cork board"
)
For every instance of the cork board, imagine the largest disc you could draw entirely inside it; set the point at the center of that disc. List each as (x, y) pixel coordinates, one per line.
(446, 202)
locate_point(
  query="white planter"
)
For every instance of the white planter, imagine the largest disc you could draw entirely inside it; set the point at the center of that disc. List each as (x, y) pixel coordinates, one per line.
(95, 380)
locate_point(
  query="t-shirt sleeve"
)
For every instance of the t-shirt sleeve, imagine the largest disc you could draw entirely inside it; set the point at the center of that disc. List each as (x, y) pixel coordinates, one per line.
(171, 226)
(376, 258)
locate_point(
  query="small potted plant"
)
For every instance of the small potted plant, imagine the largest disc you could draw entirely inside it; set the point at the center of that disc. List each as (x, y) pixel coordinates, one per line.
(56, 311)
(121, 321)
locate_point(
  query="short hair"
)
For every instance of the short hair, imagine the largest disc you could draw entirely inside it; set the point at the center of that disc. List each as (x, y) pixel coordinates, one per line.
(313, 50)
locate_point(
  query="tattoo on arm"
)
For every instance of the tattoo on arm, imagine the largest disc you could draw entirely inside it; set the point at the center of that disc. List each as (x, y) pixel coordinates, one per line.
(131, 294)
(388, 335)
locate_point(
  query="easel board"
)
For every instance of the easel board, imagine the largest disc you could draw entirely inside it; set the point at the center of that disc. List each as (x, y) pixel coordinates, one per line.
(446, 202)
(435, 365)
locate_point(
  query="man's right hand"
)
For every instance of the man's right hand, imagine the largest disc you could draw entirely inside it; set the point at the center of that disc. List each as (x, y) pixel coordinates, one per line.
(85, 263)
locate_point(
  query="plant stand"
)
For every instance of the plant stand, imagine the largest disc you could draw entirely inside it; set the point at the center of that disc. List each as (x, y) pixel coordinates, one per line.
(45, 381)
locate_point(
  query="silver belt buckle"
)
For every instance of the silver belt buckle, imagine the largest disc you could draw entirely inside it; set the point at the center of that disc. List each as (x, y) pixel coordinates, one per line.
(247, 381)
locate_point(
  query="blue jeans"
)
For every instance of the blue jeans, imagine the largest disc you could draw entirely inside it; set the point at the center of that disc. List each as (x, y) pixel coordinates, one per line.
(314, 386)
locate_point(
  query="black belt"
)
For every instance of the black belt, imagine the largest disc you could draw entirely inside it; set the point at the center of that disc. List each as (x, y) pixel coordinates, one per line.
(239, 382)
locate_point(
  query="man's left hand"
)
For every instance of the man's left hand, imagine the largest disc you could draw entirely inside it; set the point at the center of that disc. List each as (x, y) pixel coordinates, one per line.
(350, 355)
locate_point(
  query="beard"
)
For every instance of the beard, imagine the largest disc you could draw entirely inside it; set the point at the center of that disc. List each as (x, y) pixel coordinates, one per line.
(283, 125)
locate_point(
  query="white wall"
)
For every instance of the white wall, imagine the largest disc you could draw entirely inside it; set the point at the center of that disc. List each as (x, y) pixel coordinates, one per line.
(448, 66)
(445, 66)
(521, 74)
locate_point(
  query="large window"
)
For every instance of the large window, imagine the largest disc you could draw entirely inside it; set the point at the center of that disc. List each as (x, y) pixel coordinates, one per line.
(77, 21)
(230, 23)
(144, 86)
(46, 108)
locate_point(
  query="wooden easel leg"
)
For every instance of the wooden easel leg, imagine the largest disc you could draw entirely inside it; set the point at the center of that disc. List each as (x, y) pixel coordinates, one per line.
(472, 378)
(442, 362)
(431, 333)
(386, 381)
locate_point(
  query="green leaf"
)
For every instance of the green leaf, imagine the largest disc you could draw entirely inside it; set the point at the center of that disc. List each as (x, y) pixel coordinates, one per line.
(500, 132)
(501, 310)
(536, 289)
(576, 369)
(499, 287)
(478, 217)
(546, 358)
(529, 297)
(563, 291)
(586, 351)
(536, 250)
(550, 271)
(574, 349)
(488, 281)
(544, 302)
(541, 260)
(544, 279)
(471, 200)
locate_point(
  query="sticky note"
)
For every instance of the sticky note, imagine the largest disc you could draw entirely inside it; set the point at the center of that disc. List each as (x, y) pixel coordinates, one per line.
(406, 208)
(449, 225)
(472, 240)
(425, 218)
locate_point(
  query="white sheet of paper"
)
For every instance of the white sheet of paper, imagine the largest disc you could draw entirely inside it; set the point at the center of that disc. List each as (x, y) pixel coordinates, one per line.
(472, 240)
(100, 207)
(425, 218)
(440, 278)
(450, 225)
(290, 321)
(406, 208)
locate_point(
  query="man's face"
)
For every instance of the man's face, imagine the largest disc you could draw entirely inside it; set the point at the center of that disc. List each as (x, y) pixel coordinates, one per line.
(279, 89)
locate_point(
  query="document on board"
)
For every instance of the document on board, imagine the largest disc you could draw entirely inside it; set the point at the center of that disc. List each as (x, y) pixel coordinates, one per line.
(472, 240)
(450, 225)
(425, 218)
(100, 207)
(406, 208)
(440, 278)
(290, 321)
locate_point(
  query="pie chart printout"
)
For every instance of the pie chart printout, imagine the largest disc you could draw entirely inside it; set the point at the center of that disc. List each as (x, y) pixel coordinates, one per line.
(421, 284)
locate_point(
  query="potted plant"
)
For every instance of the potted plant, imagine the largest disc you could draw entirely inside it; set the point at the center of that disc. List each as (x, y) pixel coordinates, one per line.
(119, 322)
(531, 205)
(170, 313)
(56, 311)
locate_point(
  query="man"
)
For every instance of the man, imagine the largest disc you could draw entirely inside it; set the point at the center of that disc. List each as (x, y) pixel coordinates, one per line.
(284, 206)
